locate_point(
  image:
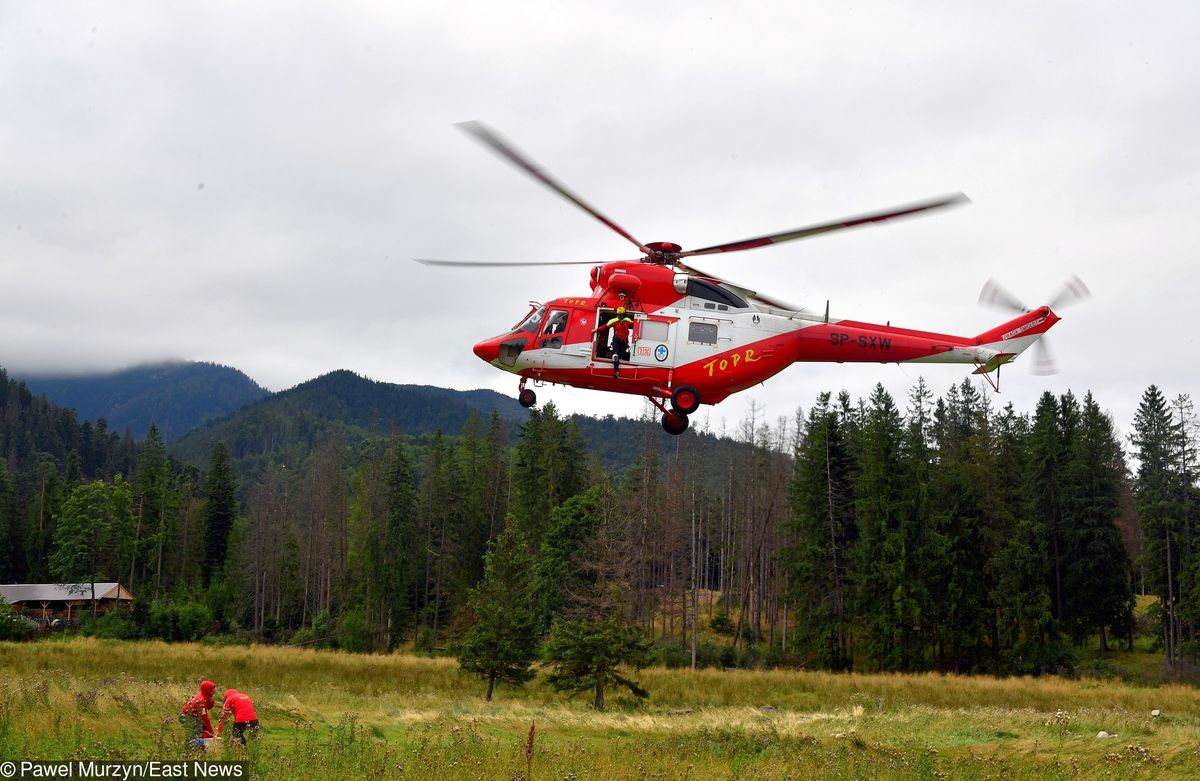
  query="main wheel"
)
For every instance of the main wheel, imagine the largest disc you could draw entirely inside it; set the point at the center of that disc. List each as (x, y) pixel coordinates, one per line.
(527, 398)
(674, 423)
(685, 400)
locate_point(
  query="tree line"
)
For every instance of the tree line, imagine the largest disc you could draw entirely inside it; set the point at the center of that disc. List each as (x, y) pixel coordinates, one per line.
(949, 535)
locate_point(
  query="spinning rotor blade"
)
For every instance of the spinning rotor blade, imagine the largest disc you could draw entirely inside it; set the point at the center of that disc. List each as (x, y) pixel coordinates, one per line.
(1073, 291)
(1043, 362)
(996, 295)
(507, 151)
(829, 227)
(486, 263)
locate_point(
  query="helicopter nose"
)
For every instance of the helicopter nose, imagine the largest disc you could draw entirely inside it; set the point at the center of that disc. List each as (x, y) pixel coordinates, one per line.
(488, 350)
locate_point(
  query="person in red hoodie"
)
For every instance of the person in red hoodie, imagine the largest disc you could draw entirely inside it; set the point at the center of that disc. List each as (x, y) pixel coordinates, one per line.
(244, 718)
(194, 714)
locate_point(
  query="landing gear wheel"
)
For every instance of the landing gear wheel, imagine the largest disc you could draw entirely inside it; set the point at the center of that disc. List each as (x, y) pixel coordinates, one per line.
(685, 400)
(674, 423)
(527, 397)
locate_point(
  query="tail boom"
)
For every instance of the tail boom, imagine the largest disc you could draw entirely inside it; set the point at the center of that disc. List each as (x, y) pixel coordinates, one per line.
(849, 341)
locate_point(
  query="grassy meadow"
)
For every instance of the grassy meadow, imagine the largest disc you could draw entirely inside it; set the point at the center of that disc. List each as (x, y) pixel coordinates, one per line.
(327, 714)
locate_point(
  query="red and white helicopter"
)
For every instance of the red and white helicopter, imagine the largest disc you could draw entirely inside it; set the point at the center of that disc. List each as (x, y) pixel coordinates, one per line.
(696, 338)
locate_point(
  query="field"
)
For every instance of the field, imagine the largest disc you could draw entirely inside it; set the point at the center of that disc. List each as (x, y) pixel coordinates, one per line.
(334, 715)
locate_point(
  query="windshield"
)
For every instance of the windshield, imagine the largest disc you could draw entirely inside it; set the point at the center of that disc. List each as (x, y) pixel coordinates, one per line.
(532, 321)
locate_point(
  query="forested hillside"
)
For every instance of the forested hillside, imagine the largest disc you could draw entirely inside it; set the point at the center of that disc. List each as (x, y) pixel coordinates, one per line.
(284, 427)
(46, 450)
(938, 533)
(176, 397)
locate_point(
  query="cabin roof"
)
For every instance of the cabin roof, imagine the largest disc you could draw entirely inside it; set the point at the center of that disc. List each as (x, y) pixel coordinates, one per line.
(62, 592)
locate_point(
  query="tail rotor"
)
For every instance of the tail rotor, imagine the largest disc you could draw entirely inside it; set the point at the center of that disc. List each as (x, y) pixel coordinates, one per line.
(1043, 362)
(1073, 291)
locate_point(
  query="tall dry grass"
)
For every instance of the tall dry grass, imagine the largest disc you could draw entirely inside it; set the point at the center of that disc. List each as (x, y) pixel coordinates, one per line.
(329, 714)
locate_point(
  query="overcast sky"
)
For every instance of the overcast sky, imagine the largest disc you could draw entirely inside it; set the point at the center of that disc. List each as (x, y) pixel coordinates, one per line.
(247, 183)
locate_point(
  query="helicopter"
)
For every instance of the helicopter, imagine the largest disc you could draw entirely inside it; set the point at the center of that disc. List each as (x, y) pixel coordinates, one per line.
(692, 338)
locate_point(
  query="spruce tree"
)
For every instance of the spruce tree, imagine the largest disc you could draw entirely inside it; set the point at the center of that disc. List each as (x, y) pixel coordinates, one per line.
(1157, 495)
(1008, 545)
(1187, 437)
(884, 608)
(591, 640)
(1025, 577)
(958, 586)
(151, 499)
(441, 512)
(569, 540)
(475, 522)
(922, 544)
(1099, 592)
(550, 466)
(1026, 632)
(1046, 486)
(591, 654)
(401, 543)
(219, 512)
(822, 502)
(10, 541)
(502, 643)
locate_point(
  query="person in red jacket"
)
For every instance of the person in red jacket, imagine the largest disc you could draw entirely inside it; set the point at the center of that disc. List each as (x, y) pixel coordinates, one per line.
(194, 714)
(244, 718)
(619, 325)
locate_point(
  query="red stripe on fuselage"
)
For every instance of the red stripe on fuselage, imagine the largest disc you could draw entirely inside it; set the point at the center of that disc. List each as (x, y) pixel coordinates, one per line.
(849, 341)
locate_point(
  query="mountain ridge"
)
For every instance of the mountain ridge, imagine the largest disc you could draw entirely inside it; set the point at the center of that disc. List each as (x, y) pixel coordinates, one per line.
(261, 427)
(176, 396)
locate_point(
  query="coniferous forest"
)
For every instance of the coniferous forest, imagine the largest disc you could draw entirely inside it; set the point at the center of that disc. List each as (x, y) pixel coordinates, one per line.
(926, 533)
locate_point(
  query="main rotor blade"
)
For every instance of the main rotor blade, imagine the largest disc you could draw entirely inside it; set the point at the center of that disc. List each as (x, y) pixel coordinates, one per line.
(507, 151)
(829, 227)
(995, 294)
(1073, 291)
(485, 263)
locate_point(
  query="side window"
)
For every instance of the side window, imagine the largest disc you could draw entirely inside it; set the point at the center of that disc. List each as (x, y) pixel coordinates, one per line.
(654, 331)
(719, 297)
(702, 333)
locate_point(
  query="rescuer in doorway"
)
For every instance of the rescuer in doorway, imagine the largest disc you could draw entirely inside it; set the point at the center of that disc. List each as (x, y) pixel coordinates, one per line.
(245, 720)
(194, 714)
(619, 324)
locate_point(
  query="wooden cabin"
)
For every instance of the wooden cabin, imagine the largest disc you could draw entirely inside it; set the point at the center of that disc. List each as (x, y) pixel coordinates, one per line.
(47, 602)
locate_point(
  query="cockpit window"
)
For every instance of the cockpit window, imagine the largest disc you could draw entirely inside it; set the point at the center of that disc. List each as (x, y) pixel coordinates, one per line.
(532, 321)
(702, 288)
(557, 322)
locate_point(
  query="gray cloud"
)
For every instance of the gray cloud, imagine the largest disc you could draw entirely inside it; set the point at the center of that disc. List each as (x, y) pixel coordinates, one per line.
(249, 184)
